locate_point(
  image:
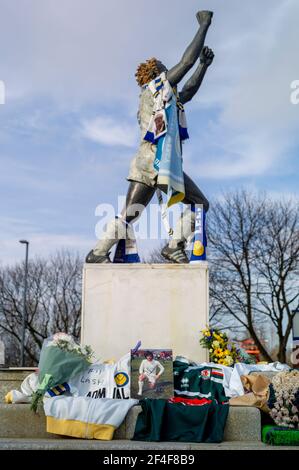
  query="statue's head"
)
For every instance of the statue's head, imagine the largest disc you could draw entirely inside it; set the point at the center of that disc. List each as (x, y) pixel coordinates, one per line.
(147, 71)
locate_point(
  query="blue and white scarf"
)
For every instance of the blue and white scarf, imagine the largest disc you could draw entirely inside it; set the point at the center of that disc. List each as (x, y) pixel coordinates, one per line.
(167, 129)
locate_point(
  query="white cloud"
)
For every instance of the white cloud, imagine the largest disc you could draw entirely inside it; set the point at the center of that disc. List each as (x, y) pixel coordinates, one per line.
(93, 53)
(254, 129)
(222, 153)
(42, 245)
(108, 131)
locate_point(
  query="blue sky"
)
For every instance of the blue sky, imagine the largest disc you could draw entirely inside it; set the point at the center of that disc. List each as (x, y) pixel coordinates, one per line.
(68, 127)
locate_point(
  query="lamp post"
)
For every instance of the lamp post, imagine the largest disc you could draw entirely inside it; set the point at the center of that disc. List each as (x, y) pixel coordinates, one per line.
(24, 318)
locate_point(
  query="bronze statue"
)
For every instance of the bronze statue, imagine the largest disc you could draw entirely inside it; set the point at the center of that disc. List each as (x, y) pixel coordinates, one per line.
(143, 175)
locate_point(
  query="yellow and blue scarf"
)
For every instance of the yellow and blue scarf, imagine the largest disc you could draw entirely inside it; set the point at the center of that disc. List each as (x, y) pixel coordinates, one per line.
(168, 162)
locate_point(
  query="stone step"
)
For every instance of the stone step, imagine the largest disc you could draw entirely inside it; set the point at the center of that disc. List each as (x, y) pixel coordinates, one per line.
(11, 379)
(243, 424)
(18, 421)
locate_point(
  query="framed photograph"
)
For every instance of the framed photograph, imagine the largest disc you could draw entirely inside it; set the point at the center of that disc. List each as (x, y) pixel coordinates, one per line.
(160, 124)
(151, 373)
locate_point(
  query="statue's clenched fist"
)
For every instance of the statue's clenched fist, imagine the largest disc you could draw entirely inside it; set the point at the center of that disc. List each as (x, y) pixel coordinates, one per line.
(207, 56)
(204, 17)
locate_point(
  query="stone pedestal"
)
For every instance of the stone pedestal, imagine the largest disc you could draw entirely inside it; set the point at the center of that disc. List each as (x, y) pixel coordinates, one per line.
(163, 305)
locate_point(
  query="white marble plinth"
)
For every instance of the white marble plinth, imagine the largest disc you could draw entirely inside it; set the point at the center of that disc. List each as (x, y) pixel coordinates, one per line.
(163, 305)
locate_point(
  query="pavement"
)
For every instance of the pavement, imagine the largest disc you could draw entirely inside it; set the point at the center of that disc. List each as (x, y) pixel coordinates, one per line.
(126, 445)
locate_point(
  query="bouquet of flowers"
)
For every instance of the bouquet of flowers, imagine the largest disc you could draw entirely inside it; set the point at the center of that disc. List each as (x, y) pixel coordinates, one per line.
(221, 349)
(284, 399)
(61, 359)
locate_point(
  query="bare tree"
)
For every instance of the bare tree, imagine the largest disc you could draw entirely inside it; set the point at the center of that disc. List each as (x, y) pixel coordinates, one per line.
(254, 259)
(277, 265)
(53, 302)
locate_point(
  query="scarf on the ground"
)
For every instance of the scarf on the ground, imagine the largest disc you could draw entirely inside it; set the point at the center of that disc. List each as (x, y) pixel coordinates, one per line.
(167, 128)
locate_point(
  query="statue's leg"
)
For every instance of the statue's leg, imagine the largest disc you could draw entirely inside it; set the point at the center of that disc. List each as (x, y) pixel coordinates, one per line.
(193, 194)
(138, 196)
(174, 251)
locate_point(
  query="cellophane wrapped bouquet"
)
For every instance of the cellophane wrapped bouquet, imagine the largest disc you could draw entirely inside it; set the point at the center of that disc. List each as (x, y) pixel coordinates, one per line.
(61, 359)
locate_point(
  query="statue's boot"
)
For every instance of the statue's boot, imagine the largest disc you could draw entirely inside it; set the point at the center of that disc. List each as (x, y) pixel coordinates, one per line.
(115, 230)
(175, 250)
(204, 17)
(175, 255)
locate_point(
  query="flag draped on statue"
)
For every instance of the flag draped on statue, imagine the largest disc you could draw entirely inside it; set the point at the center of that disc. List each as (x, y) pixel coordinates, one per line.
(167, 129)
(169, 159)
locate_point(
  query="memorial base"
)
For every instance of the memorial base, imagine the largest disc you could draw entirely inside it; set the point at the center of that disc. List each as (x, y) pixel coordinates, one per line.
(163, 305)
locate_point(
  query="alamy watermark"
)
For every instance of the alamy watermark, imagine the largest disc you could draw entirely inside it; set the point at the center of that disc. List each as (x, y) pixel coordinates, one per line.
(294, 97)
(148, 223)
(2, 92)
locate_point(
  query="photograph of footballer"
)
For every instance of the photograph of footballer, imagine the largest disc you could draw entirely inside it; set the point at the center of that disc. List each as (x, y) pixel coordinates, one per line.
(151, 373)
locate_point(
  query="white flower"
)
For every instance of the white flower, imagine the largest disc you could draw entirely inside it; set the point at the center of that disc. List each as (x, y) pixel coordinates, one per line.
(58, 337)
(286, 385)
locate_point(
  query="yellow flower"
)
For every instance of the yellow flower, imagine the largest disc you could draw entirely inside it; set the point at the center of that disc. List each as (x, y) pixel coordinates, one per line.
(218, 337)
(206, 332)
(218, 352)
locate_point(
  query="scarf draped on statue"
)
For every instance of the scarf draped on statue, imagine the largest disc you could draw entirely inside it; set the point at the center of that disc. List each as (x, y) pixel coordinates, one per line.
(167, 129)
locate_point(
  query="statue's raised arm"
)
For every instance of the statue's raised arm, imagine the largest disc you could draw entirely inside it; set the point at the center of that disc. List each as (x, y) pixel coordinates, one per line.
(193, 51)
(192, 85)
